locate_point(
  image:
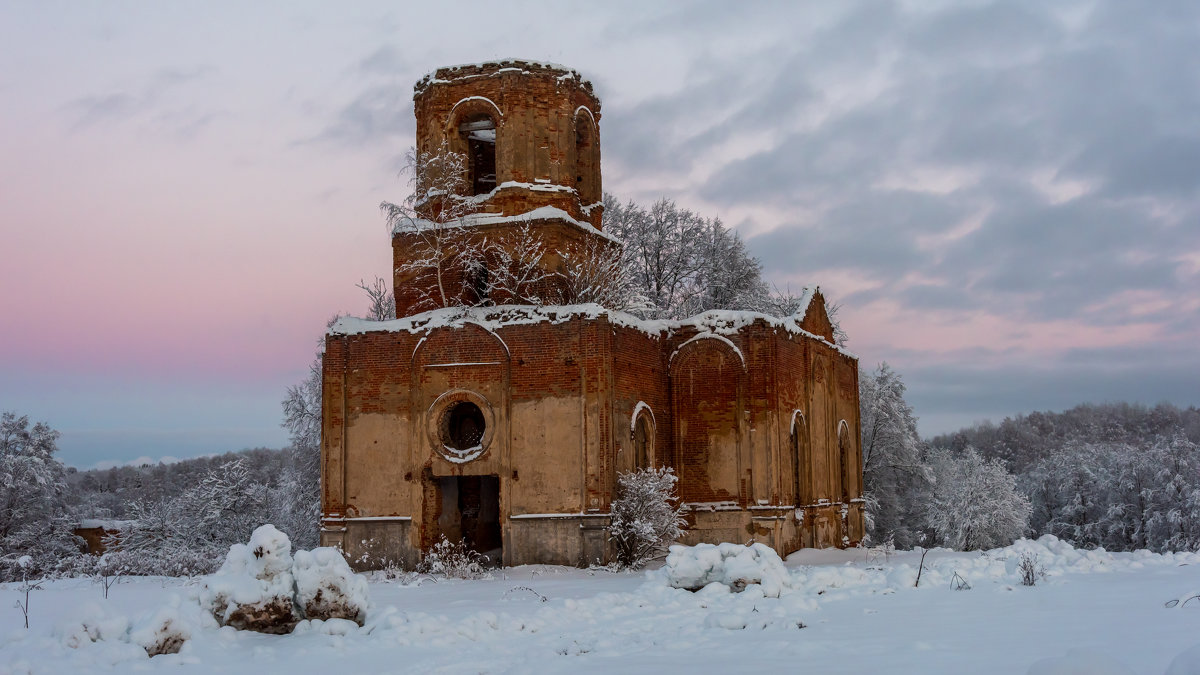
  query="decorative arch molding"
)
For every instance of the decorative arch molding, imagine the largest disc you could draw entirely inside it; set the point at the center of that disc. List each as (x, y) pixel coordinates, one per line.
(592, 117)
(710, 336)
(469, 105)
(797, 414)
(641, 408)
(421, 346)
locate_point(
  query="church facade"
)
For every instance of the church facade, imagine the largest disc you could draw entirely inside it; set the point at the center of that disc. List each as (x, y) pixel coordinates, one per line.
(506, 425)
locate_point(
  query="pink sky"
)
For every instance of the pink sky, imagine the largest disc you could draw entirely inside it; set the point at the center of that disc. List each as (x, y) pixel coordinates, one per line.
(188, 191)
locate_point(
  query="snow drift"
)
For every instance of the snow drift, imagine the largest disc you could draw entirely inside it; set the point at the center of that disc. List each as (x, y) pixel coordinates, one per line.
(733, 565)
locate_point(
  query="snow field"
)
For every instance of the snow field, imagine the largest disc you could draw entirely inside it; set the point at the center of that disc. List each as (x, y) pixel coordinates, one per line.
(837, 611)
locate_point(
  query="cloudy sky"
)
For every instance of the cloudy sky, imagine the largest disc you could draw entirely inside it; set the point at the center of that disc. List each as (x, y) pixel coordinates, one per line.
(1004, 197)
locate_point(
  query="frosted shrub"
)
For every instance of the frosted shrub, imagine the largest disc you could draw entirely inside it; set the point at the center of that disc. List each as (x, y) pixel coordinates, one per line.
(646, 515)
(453, 560)
(326, 587)
(1031, 569)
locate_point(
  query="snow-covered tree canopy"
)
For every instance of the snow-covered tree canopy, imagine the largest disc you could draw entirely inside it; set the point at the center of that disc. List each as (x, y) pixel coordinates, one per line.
(32, 489)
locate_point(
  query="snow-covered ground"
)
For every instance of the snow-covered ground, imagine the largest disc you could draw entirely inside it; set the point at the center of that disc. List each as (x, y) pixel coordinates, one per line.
(841, 611)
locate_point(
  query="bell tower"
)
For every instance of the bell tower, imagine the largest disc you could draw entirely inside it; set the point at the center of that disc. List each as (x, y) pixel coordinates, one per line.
(529, 133)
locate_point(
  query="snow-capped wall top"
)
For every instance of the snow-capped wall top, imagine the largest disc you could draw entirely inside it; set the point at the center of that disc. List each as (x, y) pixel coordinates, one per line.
(540, 213)
(464, 71)
(716, 322)
(105, 523)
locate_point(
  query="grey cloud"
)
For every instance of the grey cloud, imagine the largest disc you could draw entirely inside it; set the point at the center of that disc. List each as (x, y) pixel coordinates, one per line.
(961, 391)
(378, 114)
(1012, 94)
(148, 100)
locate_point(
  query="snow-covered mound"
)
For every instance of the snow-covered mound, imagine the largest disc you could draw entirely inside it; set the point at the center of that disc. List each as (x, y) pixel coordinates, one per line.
(254, 589)
(157, 631)
(161, 632)
(261, 587)
(326, 587)
(734, 565)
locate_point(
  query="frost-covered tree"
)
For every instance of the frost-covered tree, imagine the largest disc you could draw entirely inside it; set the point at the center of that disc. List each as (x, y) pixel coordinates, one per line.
(595, 271)
(1117, 475)
(1174, 522)
(646, 515)
(188, 534)
(382, 300)
(510, 269)
(726, 275)
(896, 478)
(434, 216)
(32, 486)
(975, 502)
(681, 263)
(660, 244)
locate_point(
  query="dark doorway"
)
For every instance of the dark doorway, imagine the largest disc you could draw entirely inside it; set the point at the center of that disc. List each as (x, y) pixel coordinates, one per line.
(471, 513)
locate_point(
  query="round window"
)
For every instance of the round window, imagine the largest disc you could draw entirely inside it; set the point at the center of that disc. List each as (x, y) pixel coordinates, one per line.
(462, 426)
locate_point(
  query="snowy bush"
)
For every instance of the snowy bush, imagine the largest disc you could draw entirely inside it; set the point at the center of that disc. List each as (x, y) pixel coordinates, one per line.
(254, 589)
(326, 587)
(645, 515)
(1031, 568)
(976, 504)
(454, 560)
(733, 565)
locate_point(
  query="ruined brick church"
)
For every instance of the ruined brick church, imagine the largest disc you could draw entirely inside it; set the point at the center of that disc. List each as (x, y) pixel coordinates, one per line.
(507, 425)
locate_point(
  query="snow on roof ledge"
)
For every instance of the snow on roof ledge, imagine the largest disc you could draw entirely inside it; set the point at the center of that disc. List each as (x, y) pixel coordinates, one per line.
(540, 213)
(491, 67)
(715, 322)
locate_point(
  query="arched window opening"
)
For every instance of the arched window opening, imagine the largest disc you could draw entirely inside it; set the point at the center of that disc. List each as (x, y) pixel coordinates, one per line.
(585, 160)
(643, 442)
(479, 133)
(801, 461)
(845, 461)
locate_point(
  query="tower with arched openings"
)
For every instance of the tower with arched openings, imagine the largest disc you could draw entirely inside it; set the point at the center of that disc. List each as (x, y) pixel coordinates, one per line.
(504, 423)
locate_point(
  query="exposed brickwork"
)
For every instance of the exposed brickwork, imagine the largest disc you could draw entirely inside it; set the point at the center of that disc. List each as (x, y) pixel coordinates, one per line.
(748, 418)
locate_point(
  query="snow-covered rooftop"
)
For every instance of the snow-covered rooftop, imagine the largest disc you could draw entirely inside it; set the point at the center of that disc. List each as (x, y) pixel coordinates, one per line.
(714, 322)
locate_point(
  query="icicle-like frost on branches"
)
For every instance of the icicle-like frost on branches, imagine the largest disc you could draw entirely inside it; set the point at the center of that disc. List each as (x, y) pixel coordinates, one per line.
(646, 515)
